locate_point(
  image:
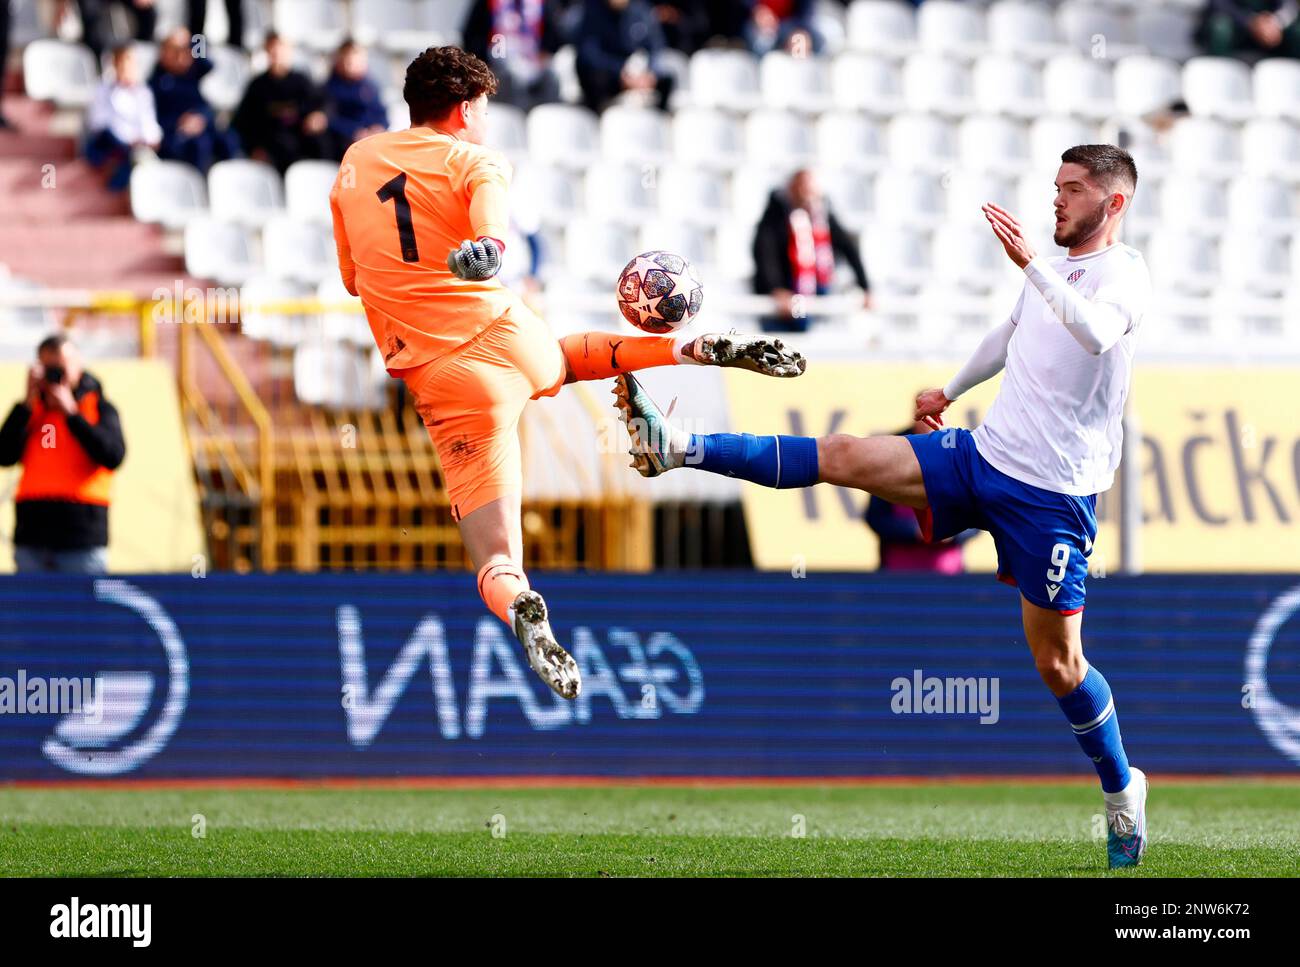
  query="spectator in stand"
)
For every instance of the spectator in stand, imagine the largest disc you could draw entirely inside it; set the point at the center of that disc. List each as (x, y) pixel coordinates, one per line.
(69, 440)
(618, 50)
(121, 120)
(795, 247)
(196, 15)
(685, 24)
(354, 105)
(1231, 28)
(727, 20)
(189, 125)
(282, 115)
(95, 26)
(902, 547)
(786, 24)
(517, 39)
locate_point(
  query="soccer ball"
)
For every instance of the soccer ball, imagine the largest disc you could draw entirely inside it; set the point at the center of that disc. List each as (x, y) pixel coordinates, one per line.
(659, 292)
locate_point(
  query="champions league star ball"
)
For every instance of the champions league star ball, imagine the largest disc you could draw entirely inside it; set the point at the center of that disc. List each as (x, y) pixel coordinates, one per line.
(659, 292)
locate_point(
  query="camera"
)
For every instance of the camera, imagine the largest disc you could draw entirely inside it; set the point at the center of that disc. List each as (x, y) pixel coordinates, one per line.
(54, 375)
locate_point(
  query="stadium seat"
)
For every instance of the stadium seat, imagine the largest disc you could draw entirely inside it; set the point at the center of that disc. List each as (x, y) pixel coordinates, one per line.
(562, 134)
(707, 138)
(1144, 84)
(950, 27)
(448, 17)
(1277, 88)
(146, 57)
(881, 26)
(1182, 262)
(778, 138)
(850, 195)
(795, 83)
(403, 27)
(1051, 135)
(676, 235)
(1217, 87)
(1262, 204)
(224, 85)
(1166, 31)
(314, 24)
(1008, 85)
(635, 135)
(966, 191)
(909, 198)
(725, 79)
(248, 192)
(302, 251)
(692, 195)
(307, 186)
(969, 257)
(1144, 210)
(1192, 201)
(338, 375)
(897, 258)
(866, 82)
(223, 251)
(734, 248)
(847, 139)
(1198, 144)
(507, 130)
(168, 193)
(399, 114)
(336, 322)
(1079, 86)
(986, 142)
(553, 190)
(1090, 28)
(751, 184)
(597, 249)
(262, 312)
(621, 192)
(937, 84)
(1271, 147)
(921, 142)
(1022, 29)
(1254, 263)
(64, 73)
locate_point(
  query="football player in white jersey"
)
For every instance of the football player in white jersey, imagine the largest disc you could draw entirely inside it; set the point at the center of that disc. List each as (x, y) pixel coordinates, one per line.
(1029, 474)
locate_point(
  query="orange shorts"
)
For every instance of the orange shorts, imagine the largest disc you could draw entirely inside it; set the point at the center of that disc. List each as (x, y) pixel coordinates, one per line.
(472, 398)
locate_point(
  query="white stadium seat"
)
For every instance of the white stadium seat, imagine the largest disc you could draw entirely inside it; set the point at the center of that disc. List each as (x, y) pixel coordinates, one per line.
(675, 235)
(866, 82)
(220, 250)
(1022, 29)
(693, 195)
(909, 198)
(986, 142)
(1182, 262)
(402, 27)
(60, 72)
(1008, 85)
(168, 193)
(1079, 86)
(1255, 263)
(1166, 31)
(634, 134)
(507, 129)
(850, 194)
(968, 256)
(1192, 201)
(1270, 146)
(848, 139)
(1049, 136)
(1203, 145)
(621, 192)
(338, 375)
(1217, 87)
(562, 134)
(751, 185)
(307, 187)
(778, 138)
(248, 192)
(881, 26)
(1144, 84)
(724, 78)
(897, 257)
(937, 84)
(224, 85)
(1277, 88)
(262, 315)
(1092, 29)
(315, 24)
(336, 321)
(966, 191)
(1263, 204)
(597, 249)
(707, 137)
(796, 83)
(1144, 210)
(950, 27)
(921, 142)
(734, 250)
(554, 191)
(299, 250)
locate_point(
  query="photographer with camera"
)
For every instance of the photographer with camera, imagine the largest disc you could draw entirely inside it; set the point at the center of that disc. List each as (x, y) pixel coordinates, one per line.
(69, 441)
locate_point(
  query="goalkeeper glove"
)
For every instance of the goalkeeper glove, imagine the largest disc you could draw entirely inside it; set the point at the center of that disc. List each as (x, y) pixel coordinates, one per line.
(475, 260)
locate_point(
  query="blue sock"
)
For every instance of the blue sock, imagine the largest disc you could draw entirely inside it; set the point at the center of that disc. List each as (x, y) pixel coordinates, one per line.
(773, 461)
(1091, 713)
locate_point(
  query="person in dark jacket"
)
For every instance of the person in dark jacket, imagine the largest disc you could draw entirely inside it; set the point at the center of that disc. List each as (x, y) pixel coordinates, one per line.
(1231, 28)
(795, 247)
(189, 124)
(282, 115)
(902, 548)
(780, 24)
(517, 38)
(618, 50)
(196, 16)
(354, 105)
(685, 23)
(69, 440)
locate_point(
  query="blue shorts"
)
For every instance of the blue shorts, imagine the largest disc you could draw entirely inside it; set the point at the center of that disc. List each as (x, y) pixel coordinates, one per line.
(1043, 538)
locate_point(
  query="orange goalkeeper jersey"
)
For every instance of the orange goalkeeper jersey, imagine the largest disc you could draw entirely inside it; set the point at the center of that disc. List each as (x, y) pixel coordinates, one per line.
(401, 203)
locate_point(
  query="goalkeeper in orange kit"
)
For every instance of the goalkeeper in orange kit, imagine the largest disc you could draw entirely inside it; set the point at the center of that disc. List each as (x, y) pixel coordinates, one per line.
(419, 216)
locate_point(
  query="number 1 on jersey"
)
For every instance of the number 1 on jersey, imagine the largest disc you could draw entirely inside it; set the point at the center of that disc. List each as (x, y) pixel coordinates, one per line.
(396, 190)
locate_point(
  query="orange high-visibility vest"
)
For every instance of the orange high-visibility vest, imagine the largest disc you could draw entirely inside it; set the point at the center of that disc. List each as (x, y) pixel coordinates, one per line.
(55, 466)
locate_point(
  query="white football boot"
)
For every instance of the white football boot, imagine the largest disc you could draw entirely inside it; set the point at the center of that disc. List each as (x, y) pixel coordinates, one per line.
(553, 664)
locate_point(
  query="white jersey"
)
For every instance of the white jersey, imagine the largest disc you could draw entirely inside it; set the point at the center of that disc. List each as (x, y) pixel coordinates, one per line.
(1057, 420)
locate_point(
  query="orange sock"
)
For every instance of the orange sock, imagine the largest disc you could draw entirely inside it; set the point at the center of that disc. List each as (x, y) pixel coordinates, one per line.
(499, 583)
(597, 355)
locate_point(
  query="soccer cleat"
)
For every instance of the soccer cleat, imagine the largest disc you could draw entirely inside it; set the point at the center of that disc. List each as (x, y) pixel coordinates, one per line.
(758, 354)
(553, 664)
(651, 433)
(1126, 822)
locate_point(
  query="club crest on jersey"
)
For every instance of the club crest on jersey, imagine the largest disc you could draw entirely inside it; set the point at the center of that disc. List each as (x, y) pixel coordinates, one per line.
(1075, 276)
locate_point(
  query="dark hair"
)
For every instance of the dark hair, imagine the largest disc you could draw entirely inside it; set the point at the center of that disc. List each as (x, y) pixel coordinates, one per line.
(441, 78)
(348, 44)
(52, 344)
(1111, 167)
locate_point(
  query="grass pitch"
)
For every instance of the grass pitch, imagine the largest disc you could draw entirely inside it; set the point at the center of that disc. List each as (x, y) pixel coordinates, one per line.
(1237, 828)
